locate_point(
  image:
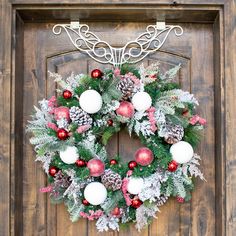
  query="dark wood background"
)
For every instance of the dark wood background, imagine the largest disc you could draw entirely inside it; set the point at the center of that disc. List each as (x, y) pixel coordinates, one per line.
(28, 49)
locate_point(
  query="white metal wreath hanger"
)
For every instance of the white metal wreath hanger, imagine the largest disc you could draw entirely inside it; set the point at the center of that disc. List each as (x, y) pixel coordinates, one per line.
(133, 51)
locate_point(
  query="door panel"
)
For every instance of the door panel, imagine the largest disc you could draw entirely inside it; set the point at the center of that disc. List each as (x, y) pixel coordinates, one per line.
(45, 52)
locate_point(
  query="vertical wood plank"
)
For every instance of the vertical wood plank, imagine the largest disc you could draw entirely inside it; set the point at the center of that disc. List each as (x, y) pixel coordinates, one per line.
(17, 113)
(230, 124)
(33, 177)
(203, 204)
(219, 124)
(5, 124)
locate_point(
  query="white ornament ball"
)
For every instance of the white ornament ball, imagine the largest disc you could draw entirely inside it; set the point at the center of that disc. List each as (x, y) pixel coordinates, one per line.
(182, 152)
(141, 101)
(95, 193)
(69, 155)
(90, 101)
(135, 185)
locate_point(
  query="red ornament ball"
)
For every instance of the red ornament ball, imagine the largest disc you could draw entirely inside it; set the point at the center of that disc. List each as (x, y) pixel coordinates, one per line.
(53, 170)
(172, 166)
(144, 156)
(110, 122)
(113, 162)
(96, 167)
(95, 74)
(81, 163)
(67, 94)
(116, 212)
(62, 134)
(125, 109)
(85, 202)
(132, 165)
(180, 199)
(136, 203)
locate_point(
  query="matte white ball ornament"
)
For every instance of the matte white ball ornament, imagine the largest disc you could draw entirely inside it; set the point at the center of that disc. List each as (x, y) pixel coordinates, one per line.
(69, 155)
(182, 152)
(141, 101)
(95, 193)
(90, 101)
(135, 185)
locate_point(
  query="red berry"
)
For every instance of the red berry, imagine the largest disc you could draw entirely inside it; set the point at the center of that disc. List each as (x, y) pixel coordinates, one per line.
(53, 170)
(180, 199)
(136, 203)
(85, 202)
(67, 94)
(173, 165)
(132, 165)
(113, 162)
(185, 112)
(62, 134)
(96, 73)
(80, 163)
(110, 122)
(116, 211)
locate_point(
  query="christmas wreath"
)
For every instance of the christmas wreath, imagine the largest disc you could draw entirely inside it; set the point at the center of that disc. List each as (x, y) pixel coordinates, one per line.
(70, 133)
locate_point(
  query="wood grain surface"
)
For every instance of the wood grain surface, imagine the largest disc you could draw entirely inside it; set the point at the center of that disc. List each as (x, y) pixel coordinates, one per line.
(207, 50)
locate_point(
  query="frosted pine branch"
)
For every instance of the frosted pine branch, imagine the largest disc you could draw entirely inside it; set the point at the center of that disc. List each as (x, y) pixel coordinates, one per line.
(192, 167)
(143, 214)
(104, 223)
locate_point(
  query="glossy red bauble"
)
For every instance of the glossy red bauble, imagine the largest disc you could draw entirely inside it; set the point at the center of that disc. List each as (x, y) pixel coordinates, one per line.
(81, 163)
(53, 170)
(85, 202)
(173, 165)
(96, 167)
(113, 162)
(110, 122)
(136, 203)
(67, 94)
(125, 109)
(132, 165)
(62, 134)
(95, 74)
(144, 156)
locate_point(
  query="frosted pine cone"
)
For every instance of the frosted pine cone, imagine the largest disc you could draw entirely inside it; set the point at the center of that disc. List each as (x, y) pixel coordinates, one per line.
(126, 86)
(80, 117)
(174, 133)
(111, 180)
(161, 200)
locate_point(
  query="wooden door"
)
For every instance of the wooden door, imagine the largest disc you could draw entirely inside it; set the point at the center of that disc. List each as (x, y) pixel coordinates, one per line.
(43, 51)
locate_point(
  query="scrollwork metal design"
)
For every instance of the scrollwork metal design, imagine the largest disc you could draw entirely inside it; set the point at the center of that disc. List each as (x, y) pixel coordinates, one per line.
(132, 52)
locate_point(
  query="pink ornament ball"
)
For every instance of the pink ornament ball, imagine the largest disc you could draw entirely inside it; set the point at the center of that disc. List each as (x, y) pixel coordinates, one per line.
(125, 109)
(144, 156)
(96, 167)
(62, 112)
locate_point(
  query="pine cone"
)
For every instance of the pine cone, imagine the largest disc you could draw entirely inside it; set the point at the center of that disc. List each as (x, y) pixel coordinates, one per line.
(126, 86)
(111, 180)
(161, 200)
(174, 133)
(80, 117)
